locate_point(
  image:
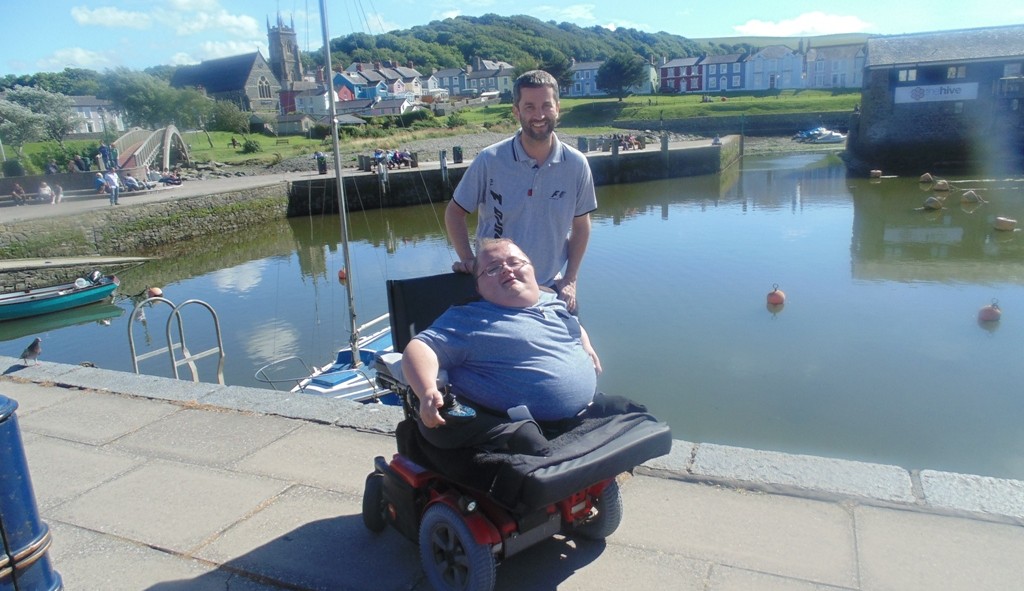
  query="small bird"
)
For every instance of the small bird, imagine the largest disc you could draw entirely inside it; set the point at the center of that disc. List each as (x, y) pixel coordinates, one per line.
(32, 351)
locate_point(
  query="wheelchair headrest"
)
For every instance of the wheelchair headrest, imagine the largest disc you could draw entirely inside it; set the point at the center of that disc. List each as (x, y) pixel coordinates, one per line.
(415, 303)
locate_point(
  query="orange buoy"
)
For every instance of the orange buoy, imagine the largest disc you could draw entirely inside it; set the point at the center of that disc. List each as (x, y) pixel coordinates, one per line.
(342, 275)
(776, 296)
(990, 313)
(154, 292)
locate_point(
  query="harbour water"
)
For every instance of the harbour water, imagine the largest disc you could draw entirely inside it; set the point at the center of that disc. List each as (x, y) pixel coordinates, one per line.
(877, 354)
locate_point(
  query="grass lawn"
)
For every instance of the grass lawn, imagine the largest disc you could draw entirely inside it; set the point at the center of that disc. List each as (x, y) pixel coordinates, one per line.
(578, 116)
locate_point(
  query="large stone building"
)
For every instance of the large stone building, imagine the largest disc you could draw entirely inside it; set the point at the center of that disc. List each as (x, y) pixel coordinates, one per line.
(942, 100)
(245, 80)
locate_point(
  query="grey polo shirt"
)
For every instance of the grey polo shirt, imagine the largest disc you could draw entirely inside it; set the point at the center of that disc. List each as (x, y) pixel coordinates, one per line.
(531, 203)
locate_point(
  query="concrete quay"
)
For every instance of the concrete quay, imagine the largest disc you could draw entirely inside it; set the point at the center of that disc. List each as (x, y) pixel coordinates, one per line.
(163, 485)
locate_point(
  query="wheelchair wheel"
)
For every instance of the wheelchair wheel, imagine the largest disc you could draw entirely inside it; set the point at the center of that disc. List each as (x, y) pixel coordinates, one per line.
(373, 502)
(452, 559)
(609, 514)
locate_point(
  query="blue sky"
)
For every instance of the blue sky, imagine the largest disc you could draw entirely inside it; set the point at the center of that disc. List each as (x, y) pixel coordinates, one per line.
(49, 35)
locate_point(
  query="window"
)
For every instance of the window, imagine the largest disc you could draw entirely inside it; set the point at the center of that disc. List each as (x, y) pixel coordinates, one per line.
(955, 72)
(908, 75)
(735, 81)
(264, 87)
(713, 83)
(713, 69)
(1011, 70)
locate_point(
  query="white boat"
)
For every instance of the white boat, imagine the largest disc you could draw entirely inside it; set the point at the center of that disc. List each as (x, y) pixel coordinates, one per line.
(828, 137)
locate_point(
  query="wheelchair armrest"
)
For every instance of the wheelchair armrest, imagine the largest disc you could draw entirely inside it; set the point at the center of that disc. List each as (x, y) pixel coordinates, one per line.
(392, 364)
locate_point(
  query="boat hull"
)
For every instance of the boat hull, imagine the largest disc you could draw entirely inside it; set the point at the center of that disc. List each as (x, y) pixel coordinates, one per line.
(46, 300)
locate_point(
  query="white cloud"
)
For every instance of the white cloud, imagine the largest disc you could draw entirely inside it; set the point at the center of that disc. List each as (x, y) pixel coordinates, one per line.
(75, 57)
(376, 23)
(108, 16)
(240, 279)
(580, 14)
(230, 24)
(809, 23)
(451, 14)
(182, 59)
(215, 49)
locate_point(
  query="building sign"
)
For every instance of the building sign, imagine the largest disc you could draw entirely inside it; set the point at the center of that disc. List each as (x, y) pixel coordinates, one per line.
(938, 92)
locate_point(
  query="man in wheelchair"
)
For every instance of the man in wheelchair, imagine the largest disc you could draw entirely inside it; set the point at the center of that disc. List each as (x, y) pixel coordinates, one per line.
(525, 449)
(516, 357)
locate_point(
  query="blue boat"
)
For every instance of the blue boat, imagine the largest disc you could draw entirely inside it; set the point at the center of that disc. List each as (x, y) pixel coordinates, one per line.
(55, 298)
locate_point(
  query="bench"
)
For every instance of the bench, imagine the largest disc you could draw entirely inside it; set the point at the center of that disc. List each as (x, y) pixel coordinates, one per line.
(282, 141)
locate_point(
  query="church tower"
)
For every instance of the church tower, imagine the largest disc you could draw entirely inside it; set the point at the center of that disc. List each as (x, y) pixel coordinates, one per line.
(284, 53)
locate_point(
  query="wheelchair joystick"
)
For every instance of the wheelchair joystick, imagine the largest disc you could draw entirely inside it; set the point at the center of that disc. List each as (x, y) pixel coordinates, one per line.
(454, 412)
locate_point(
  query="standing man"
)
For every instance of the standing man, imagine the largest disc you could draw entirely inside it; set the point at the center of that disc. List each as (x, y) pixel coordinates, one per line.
(530, 188)
(112, 185)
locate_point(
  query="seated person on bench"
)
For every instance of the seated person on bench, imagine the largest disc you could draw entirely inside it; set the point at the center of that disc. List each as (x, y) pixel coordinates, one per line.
(517, 357)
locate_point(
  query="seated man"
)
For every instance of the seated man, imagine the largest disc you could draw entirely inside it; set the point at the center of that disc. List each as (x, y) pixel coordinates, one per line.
(517, 357)
(18, 194)
(99, 184)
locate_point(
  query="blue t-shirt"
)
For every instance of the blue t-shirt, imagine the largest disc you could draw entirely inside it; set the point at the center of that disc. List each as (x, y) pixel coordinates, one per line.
(499, 357)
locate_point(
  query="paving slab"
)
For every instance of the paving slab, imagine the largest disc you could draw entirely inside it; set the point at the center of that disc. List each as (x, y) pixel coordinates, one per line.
(321, 455)
(63, 470)
(89, 560)
(907, 551)
(209, 437)
(95, 418)
(170, 505)
(30, 397)
(315, 539)
(726, 578)
(798, 538)
(584, 565)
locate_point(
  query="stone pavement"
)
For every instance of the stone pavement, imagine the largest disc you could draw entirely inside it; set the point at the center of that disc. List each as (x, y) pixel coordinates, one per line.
(149, 483)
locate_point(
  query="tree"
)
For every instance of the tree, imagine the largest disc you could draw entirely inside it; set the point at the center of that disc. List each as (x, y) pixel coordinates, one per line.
(57, 110)
(226, 116)
(620, 72)
(19, 126)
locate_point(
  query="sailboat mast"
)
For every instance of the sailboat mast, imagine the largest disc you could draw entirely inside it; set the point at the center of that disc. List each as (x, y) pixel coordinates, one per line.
(340, 189)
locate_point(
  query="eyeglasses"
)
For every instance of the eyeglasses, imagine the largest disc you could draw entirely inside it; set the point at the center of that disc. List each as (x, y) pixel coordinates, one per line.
(513, 263)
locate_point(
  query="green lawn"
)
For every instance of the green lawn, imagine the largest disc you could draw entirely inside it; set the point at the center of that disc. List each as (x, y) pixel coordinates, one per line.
(578, 116)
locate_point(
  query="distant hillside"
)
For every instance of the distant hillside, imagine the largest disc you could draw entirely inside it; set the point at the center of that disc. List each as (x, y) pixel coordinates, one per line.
(522, 41)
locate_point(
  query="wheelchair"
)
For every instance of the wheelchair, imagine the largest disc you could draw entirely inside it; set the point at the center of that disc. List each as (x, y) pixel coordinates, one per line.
(469, 509)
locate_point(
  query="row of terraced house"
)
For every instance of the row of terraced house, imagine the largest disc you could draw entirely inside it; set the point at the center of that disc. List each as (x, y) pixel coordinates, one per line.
(776, 67)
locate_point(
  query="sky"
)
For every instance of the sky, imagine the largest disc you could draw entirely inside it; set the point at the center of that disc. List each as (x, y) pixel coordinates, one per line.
(50, 35)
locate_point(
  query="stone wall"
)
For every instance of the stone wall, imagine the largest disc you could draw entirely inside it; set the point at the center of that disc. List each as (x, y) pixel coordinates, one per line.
(421, 185)
(130, 229)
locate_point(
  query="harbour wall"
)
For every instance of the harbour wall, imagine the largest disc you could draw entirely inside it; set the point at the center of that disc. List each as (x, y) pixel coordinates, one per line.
(129, 231)
(417, 186)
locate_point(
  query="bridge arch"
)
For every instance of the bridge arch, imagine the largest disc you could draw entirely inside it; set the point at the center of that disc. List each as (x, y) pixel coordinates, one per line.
(163, 148)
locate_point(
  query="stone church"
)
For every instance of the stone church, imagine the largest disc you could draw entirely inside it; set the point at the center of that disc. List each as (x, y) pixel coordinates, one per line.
(249, 80)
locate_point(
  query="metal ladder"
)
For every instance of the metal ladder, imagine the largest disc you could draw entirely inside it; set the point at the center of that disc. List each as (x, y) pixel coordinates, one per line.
(171, 349)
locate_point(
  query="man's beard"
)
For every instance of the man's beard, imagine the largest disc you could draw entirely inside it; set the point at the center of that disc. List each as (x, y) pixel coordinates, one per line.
(542, 135)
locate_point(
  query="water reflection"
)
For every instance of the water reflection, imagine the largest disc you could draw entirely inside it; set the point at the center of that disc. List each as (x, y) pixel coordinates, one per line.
(877, 354)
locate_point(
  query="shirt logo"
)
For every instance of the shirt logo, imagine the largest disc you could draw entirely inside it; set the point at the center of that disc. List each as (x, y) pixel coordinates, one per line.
(557, 195)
